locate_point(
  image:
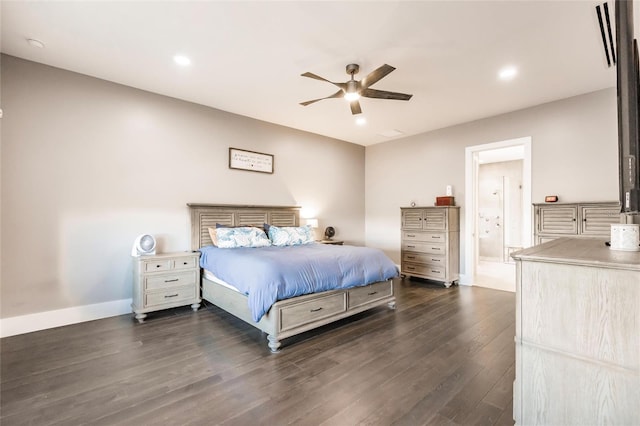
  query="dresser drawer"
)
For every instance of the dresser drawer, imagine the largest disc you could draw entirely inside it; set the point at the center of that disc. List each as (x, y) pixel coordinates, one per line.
(170, 295)
(178, 279)
(362, 295)
(431, 248)
(434, 237)
(157, 265)
(430, 271)
(429, 259)
(313, 310)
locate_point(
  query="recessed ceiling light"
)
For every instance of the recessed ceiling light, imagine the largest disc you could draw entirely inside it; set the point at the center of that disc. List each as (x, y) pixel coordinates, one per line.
(35, 43)
(361, 121)
(508, 73)
(183, 61)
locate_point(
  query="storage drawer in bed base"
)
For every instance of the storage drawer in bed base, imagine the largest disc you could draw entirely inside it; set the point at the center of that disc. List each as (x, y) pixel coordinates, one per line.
(289, 317)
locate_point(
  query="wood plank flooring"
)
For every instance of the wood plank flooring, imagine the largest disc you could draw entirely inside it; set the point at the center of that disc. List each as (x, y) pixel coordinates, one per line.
(443, 357)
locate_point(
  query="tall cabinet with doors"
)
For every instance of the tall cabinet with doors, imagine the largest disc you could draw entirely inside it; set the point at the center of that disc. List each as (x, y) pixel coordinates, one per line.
(431, 243)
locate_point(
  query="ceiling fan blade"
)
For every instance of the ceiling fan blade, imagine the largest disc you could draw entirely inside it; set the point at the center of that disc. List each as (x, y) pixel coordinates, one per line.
(355, 107)
(338, 94)
(376, 75)
(383, 94)
(317, 77)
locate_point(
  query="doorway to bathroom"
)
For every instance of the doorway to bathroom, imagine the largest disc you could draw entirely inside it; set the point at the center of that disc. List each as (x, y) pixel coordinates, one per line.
(499, 194)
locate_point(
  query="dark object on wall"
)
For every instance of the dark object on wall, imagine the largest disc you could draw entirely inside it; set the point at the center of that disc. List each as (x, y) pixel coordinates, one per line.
(329, 232)
(445, 201)
(628, 108)
(607, 44)
(551, 199)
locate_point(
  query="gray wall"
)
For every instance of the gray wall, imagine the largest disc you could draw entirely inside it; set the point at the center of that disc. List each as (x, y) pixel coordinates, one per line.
(87, 165)
(574, 156)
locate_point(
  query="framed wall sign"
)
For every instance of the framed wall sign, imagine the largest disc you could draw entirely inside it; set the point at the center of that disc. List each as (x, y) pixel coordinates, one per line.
(250, 160)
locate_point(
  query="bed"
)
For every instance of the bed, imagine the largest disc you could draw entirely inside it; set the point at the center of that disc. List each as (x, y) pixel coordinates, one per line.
(287, 317)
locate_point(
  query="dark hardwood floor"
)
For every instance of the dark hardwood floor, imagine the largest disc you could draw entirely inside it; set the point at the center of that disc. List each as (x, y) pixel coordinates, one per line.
(443, 357)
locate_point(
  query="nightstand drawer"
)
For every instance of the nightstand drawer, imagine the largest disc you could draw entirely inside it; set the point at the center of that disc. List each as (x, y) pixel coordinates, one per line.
(170, 295)
(157, 265)
(186, 263)
(155, 282)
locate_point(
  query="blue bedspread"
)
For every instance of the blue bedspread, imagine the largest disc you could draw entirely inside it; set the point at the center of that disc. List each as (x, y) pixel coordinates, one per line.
(269, 274)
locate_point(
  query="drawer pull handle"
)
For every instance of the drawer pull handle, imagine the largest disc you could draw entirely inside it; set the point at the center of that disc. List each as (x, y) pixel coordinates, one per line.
(435, 272)
(372, 293)
(436, 237)
(411, 257)
(316, 310)
(411, 235)
(171, 281)
(435, 260)
(410, 268)
(436, 248)
(411, 246)
(170, 295)
(157, 266)
(185, 263)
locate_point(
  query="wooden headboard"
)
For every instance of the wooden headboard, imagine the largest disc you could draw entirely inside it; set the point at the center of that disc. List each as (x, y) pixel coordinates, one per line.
(204, 216)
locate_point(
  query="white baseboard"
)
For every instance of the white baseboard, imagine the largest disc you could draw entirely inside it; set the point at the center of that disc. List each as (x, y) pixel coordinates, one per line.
(50, 319)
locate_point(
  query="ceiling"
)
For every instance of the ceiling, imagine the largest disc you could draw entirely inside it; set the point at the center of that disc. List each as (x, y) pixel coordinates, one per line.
(247, 57)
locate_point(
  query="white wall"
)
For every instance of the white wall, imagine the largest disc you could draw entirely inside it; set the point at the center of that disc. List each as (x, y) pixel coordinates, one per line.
(574, 156)
(87, 165)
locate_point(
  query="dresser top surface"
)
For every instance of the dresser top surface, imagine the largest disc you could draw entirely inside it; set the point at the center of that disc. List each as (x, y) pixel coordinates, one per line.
(581, 251)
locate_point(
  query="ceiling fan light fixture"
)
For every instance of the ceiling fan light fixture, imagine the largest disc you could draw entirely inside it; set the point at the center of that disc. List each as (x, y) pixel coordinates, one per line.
(352, 93)
(352, 96)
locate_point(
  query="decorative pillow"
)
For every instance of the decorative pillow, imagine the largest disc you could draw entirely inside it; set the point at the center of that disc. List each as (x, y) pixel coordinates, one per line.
(244, 236)
(290, 235)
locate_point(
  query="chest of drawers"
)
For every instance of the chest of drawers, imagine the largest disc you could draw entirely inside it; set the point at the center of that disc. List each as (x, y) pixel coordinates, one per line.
(165, 281)
(431, 243)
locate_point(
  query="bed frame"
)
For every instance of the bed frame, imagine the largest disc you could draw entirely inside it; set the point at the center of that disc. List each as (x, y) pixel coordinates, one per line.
(288, 317)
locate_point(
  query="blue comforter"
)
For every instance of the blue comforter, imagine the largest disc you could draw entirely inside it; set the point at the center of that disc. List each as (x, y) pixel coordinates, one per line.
(269, 274)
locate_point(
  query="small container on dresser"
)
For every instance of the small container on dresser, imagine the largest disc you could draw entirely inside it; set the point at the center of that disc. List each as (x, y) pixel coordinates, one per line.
(431, 243)
(165, 281)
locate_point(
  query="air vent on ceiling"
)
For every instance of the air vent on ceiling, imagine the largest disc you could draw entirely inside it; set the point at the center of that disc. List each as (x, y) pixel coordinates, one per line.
(609, 45)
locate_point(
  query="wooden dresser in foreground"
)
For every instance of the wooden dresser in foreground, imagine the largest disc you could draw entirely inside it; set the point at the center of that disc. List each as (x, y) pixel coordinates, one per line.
(165, 281)
(431, 243)
(577, 334)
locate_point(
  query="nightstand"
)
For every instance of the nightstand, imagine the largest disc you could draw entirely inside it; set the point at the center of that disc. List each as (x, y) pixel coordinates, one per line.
(333, 242)
(165, 281)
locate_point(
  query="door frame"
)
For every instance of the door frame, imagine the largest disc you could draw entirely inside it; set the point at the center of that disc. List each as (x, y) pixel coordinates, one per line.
(471, 200)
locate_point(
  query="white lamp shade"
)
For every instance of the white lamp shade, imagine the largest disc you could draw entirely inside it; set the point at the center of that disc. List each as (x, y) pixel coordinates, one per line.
(145, 244)
(312, 223)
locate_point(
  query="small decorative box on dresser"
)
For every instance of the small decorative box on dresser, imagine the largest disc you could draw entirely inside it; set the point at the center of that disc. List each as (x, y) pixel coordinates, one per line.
(431, 243)
(574, 220)
(165, 281)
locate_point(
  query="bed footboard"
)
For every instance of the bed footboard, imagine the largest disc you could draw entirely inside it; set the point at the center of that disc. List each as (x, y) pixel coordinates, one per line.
(289, 317)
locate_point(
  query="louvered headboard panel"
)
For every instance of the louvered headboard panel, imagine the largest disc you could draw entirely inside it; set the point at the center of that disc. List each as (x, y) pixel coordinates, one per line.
(205, 216)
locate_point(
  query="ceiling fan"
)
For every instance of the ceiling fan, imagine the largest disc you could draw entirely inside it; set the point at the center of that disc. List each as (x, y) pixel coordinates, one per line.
(353, 89)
